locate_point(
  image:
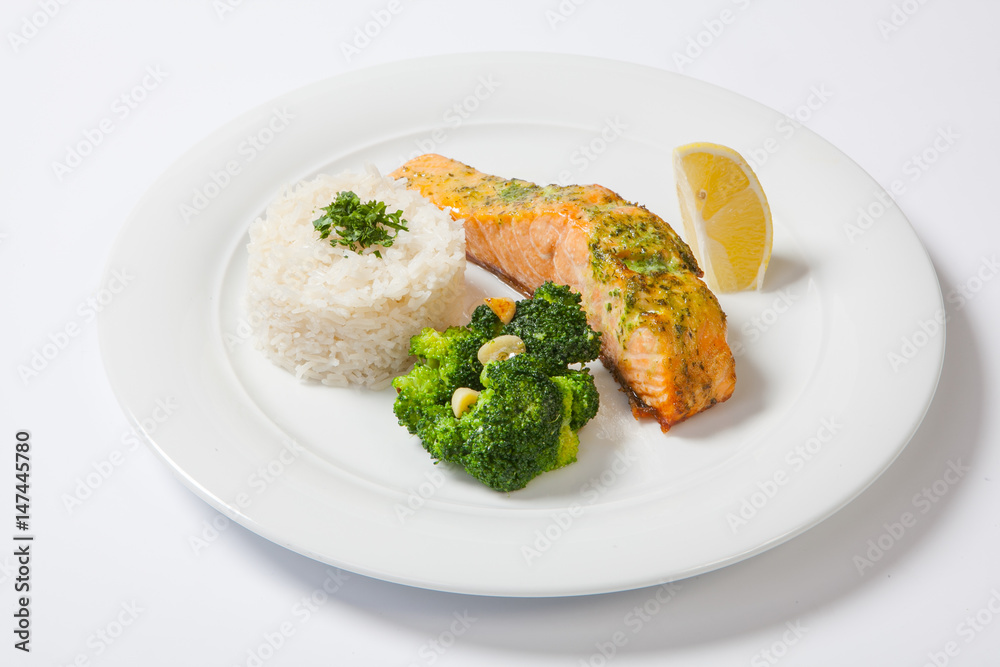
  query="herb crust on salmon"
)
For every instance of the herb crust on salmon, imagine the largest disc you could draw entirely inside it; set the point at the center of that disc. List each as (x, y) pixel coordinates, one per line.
(663, 332)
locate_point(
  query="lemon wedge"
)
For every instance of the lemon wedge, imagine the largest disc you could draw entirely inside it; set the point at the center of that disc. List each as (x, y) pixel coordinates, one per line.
(727, 221)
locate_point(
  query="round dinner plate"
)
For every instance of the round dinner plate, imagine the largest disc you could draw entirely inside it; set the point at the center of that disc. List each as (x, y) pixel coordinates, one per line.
(837, 357)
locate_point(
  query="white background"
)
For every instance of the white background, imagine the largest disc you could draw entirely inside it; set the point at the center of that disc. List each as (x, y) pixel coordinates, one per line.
(893, 76)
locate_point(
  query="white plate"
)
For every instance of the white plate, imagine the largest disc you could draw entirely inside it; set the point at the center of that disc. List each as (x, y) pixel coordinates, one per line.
(837, 358)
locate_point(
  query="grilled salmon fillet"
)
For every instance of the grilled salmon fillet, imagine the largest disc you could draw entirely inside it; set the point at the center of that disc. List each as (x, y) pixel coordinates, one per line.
(663, 333)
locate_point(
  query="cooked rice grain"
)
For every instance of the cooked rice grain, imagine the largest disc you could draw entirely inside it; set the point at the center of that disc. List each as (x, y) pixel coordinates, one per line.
(329, 314)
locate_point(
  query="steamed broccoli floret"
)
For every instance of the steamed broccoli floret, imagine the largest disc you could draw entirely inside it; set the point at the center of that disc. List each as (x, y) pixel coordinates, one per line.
(485, 322)
(452, 353)
(556, 293)
(418, 392)
(445, 361)
(512, 431)
(567, 444)
(585, 399)
(530, 406)
(438, 430)
(554, 328)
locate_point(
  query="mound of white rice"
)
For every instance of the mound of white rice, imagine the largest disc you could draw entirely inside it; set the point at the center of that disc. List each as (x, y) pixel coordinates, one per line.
(329, 314)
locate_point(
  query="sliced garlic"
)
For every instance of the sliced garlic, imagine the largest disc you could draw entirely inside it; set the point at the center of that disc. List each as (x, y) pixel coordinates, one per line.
(500, 348)
(462, 400)
(503, 307)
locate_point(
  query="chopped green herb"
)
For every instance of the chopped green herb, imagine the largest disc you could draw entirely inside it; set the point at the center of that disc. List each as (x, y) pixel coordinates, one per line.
(651, 264)
(516, 189)
(358, 226)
